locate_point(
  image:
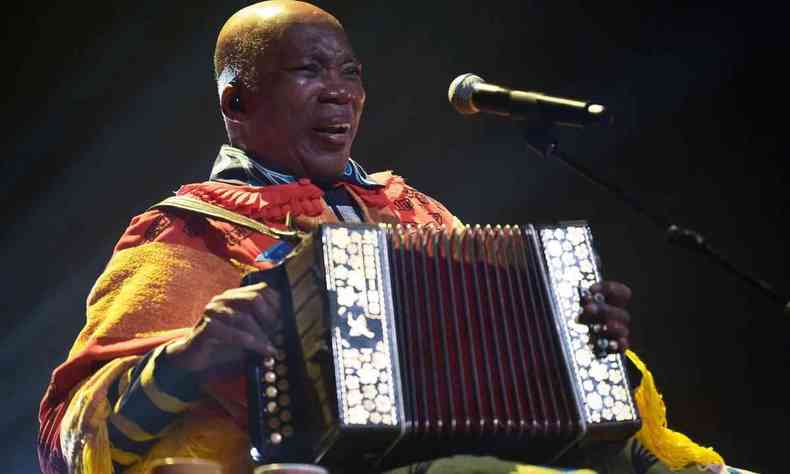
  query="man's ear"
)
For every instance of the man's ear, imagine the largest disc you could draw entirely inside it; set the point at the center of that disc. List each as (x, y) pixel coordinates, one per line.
(234, 101)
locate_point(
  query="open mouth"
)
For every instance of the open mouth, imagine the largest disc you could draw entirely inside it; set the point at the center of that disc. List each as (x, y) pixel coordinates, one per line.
(337, 129)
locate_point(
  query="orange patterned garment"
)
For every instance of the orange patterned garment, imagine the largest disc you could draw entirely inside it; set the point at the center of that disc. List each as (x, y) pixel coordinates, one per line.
(166, 267)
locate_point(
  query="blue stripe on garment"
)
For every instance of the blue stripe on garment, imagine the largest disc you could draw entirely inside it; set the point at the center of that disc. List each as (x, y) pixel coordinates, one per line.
(137, 407)
(136, 423)
(112, 392)
(120, 441)
(176, 382)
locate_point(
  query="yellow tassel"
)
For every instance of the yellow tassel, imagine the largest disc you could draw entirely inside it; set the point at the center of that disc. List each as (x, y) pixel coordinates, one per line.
(674, 449)
(96, 453)
(84, 437)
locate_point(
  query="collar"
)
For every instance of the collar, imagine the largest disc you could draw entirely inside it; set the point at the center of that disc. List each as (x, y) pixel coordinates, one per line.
(235, 166)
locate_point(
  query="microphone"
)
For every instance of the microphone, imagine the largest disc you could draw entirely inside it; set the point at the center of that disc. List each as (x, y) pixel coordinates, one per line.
(470, 94)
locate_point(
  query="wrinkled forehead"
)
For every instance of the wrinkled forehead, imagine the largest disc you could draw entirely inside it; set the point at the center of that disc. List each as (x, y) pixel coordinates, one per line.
(325, 42)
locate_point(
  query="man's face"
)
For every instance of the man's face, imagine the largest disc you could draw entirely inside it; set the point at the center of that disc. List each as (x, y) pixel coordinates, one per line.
(310, 98)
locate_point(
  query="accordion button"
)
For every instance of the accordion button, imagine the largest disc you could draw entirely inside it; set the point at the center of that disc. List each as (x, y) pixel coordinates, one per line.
(284, 400)
(288, 430)
(271, 392)
(274, 423)
(268, 362)
(282, 385)
(285, 415)
(276, 438)
(599, 298)
(281, 370)
(271, 407)
(269, 377)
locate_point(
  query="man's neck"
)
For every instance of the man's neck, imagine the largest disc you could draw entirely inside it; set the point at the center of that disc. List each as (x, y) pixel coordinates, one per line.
(237, 166)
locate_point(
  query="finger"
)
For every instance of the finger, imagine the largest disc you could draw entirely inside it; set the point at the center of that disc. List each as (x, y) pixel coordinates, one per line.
(619, 346)
(231, 313)
(609, 330)
(217, 330)
(216, 309)
(272, 297)
(603, 346)
(247, 294)
(264, 304)
(242, 293)
(246, 322)
(269, 308)
(255, 286)
(615, 293)
(614, 330)
(603, 313)
(248, 311)
(233, 293)
(235, 296)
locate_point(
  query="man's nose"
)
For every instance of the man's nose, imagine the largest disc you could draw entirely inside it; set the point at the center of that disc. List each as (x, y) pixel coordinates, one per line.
(336, 95)
(336, 90)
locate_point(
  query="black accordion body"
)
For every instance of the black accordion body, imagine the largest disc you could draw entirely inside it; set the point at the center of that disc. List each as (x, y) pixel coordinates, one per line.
(410, 343)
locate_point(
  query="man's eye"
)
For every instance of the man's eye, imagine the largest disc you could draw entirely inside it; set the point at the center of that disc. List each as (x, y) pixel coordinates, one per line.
(353, 71)
(309, 68)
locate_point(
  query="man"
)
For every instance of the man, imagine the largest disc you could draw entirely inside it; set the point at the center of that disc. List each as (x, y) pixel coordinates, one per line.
(154, 371)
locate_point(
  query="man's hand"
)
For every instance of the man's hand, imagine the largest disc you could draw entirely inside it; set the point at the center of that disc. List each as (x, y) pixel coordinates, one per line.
(603, 309)
(236, 320)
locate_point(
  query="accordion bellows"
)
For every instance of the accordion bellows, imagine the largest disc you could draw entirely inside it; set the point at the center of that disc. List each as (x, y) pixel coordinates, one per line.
(410, 343)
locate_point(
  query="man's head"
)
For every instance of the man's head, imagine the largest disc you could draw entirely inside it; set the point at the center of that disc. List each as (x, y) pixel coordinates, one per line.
(290, 87)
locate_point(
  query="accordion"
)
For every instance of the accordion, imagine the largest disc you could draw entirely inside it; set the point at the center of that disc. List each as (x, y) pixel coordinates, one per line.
(410, 343)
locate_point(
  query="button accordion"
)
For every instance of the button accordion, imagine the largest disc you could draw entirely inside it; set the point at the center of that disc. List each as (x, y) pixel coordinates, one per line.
(403, 344)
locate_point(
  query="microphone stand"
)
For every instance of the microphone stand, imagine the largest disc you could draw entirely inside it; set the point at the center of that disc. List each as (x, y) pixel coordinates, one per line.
(539, 138)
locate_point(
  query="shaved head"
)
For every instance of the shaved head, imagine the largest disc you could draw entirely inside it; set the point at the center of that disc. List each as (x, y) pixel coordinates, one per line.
(254, 31)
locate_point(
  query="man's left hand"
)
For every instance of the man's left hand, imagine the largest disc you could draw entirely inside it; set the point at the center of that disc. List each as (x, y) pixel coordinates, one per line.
(603, 310)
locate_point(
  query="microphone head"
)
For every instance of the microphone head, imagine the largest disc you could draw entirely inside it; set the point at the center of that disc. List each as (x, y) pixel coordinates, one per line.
(460, 93)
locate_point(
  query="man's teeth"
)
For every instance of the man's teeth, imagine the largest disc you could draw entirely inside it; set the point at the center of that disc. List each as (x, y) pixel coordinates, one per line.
(341, 128)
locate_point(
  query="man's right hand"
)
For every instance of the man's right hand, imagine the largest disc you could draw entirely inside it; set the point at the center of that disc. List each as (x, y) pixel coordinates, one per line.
(237, 320)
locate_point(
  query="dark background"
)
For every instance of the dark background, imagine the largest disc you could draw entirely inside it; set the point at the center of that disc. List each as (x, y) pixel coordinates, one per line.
(110, 107)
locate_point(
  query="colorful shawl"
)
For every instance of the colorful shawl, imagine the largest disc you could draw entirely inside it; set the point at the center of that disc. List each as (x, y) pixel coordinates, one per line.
(164, 270)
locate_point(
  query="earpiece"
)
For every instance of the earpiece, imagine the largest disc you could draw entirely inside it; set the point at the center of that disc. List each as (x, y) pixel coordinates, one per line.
(235, 103)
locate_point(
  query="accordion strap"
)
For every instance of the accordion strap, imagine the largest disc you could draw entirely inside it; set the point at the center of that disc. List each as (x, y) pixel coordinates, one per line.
(196, 205)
